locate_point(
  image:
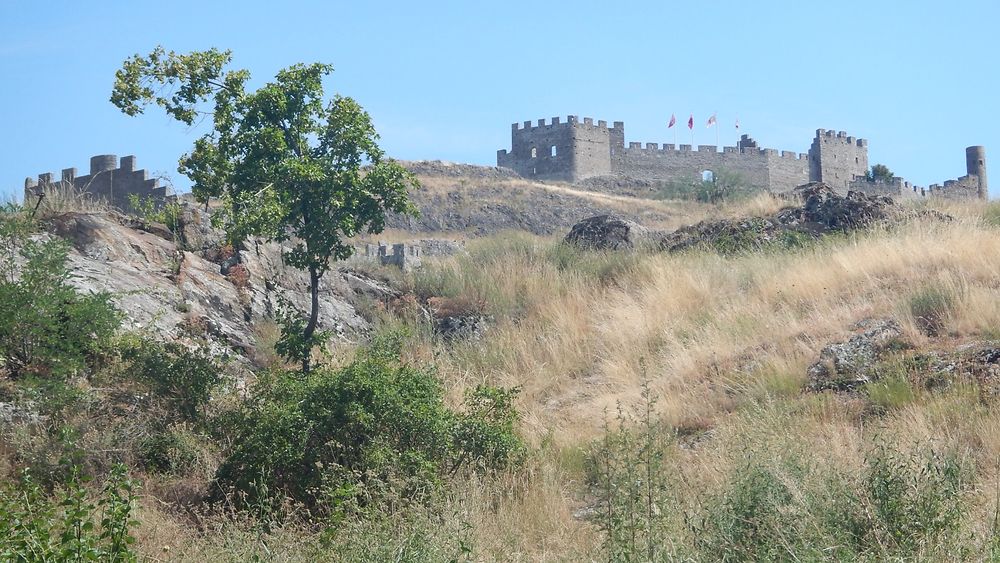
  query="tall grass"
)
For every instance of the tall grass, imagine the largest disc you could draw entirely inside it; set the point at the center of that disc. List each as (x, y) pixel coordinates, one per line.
(713, 451)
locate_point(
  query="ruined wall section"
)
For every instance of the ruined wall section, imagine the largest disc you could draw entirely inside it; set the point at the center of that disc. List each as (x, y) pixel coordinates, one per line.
(836, 158)
(896, 188)
(959, 189)
(106, 181)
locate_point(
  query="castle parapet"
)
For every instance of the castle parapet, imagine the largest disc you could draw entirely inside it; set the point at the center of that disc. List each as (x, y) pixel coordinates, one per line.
(106, 181)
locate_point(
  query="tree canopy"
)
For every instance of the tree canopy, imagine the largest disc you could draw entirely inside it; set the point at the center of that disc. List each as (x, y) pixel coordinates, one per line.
(879, 173)
(290, 165)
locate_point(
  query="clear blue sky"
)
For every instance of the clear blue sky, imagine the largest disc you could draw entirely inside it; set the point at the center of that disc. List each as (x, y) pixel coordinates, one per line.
(444, 80)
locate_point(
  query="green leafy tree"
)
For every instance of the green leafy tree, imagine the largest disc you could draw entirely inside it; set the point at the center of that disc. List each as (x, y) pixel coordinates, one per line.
(290, 165)
(879, 173)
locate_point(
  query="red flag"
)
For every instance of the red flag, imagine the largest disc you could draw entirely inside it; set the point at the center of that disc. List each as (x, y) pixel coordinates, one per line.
(711, 121)
(691, 122)
(673, 121)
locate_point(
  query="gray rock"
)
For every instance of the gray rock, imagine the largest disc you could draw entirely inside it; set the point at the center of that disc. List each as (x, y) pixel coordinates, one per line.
(462, 326)
(608, 232)
(849, 364)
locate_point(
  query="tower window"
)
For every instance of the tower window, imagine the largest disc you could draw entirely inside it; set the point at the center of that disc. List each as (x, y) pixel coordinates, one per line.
(534, 152)
(707, 176)
(856, 161)
(553, 151)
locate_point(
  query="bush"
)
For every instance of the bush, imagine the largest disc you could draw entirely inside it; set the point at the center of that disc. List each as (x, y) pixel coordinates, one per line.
(371, 434)
(182, 377)
(68, 527)
(172, 451)
(47, 327)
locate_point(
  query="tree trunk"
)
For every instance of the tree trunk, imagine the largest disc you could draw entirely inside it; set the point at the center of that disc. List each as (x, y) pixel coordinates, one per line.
(313, 316)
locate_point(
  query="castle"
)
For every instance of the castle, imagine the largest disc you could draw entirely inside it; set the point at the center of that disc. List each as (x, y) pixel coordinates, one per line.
(573, 150)
(107, 181)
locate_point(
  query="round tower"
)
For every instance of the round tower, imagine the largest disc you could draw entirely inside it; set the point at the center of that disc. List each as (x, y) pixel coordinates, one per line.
(975, 165)
(103, 163)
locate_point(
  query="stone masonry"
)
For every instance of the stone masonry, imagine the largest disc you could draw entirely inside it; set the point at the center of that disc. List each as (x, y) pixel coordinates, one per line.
(107, 180)
(573, 150)
(403, 256)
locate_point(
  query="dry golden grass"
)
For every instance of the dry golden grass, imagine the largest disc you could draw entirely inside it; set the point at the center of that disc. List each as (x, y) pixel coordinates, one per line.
(724, 343)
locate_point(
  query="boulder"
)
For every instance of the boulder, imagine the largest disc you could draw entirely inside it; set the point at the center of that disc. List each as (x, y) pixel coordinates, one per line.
(609, 232)
(849, 364)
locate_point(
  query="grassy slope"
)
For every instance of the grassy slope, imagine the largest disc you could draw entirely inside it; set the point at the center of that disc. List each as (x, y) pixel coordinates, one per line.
(724, 342)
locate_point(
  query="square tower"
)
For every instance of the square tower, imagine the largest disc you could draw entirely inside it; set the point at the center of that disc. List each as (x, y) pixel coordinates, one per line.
(836, 159)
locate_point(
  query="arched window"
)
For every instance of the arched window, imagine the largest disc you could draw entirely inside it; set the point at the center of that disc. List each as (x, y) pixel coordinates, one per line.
(553, 151)
(707, 176)
(534, 152)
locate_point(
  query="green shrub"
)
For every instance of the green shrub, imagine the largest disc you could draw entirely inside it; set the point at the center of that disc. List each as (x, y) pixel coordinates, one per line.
(68, 527)
(171, 451)
(184, 378)
(169, 213)
(47, 327)
(369, 434)
(914, 498)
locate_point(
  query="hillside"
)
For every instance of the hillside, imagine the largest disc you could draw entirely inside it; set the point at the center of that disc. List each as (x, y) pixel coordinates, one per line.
(479, 200)
(804, 398)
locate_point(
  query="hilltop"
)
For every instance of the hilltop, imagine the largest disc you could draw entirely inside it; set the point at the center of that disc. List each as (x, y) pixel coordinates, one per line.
(760, 381)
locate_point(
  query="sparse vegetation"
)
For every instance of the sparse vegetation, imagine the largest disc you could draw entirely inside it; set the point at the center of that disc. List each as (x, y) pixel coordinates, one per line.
(718, 187)
(621, 406)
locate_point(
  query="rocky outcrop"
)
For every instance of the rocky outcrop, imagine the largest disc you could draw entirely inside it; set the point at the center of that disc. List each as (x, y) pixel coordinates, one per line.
(849, 364)
(182, 285)
(609, 232)
(819, 210)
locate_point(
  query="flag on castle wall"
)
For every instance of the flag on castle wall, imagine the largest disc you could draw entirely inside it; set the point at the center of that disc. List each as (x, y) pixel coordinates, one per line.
(673, 121)
(691, 122)
(711, 121)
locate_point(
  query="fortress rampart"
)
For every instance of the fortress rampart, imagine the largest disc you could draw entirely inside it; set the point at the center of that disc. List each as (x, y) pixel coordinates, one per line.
(576, 149)
(107, 180)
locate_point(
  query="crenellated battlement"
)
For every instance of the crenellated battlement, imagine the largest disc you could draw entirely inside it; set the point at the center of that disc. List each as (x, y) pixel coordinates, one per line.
(107, 180)
(570, 121)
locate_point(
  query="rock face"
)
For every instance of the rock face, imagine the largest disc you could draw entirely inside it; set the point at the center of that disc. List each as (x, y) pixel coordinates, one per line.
(847, 365)
(178, 291)
(609, 232)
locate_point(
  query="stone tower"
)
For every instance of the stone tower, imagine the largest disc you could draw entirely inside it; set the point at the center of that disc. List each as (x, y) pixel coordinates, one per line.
(836, 158)
(563, 150)
(975, 165)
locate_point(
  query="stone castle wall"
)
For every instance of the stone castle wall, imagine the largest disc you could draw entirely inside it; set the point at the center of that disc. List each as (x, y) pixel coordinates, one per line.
(107, 181)
(573, 150)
